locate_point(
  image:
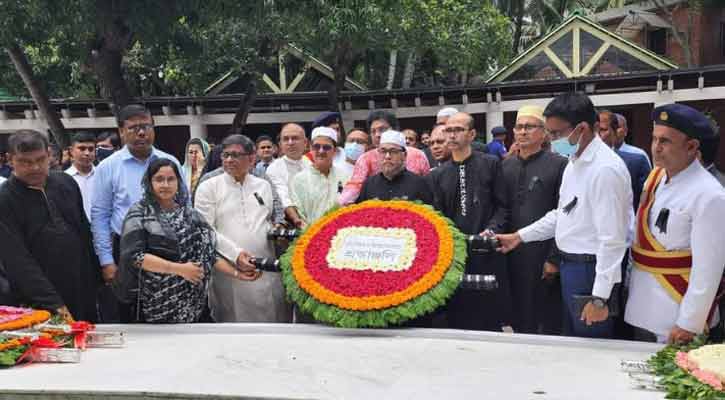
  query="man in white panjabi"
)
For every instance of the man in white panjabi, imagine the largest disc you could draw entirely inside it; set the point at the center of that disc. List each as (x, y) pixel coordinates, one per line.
(293, 142)
(678, 252)
(238, 206)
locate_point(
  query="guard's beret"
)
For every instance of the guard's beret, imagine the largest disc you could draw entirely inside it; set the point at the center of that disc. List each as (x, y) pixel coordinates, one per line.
(498, 130)
(685, 119)
(326, 118)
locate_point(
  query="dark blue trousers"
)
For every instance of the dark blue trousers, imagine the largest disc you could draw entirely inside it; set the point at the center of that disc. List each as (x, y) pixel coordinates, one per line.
(578, 279)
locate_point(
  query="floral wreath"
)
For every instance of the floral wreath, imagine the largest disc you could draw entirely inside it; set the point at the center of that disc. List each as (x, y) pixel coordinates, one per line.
(424, 274)
(14, 350)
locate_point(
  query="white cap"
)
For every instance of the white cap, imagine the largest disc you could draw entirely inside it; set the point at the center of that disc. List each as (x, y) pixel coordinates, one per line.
(447, 112)
(324, 131)
(393, 137)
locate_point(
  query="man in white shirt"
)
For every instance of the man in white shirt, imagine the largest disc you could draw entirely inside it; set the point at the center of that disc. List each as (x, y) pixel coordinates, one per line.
(83, 154)
(678, 252)
(314, 191)
(293, 142)
(590, 225)
(238, 206)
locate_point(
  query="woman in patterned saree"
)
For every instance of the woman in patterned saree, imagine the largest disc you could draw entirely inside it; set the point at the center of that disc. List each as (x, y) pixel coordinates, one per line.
(167, 251)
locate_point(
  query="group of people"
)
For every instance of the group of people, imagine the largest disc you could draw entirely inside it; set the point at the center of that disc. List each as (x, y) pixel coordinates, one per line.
(593, 240)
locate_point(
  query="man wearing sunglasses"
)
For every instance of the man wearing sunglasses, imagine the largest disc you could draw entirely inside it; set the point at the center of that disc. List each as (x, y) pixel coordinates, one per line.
(117, 185)
(314, 191)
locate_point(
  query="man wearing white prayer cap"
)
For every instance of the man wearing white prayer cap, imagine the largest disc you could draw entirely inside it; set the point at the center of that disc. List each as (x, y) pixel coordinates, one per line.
(444, 114)
(314, 191)
(394, 181)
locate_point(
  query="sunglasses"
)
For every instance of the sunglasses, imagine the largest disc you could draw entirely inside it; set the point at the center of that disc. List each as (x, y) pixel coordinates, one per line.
(322, 147)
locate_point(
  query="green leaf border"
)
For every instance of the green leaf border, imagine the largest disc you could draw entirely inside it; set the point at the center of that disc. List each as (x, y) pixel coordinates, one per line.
(421, 305)
(679, 383)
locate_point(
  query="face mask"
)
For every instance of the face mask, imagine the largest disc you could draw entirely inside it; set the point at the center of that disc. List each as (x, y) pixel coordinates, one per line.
(575, 149)
(102, 153)
(354, 150)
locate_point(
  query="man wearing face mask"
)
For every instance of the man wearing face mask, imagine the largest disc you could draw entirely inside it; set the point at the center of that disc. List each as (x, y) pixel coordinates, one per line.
(357, 142)
(107, 143)
(591, 222)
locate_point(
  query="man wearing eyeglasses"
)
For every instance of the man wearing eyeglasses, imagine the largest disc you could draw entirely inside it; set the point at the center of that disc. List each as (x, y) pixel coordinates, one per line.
(591, 222)
(470, 191)
(368, 164)
(394, 181)
(239, 206)
(117, 186)
(314, 191)
(533, 177)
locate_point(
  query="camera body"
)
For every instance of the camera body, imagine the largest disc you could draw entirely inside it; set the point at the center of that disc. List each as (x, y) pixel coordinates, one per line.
(482, 244)
(282, 233)
(265, 264)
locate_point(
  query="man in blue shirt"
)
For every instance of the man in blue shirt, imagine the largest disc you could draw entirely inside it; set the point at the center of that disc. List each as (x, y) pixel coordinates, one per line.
(637, 164)
(497, 147)
(117, 188)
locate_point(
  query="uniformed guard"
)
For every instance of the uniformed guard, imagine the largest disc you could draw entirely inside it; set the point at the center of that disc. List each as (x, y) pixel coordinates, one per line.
(678, 251)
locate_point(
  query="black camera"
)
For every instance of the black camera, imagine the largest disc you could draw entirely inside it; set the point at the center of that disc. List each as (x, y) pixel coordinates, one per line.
(482, 244)
(282, 233)
(265, 264)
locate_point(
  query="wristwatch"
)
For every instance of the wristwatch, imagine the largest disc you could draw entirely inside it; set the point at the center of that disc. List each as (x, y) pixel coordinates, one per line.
(599, 302)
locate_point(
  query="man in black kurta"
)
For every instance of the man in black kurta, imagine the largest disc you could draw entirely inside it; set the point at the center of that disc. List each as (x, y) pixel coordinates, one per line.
(469, 189)
(46, 252)
(532, 182)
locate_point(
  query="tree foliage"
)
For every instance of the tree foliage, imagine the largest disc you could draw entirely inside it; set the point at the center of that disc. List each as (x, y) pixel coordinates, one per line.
(174, 48)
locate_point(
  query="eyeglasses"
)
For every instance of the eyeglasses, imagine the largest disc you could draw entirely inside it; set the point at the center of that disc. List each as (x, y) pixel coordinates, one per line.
(528, 128)
(455, 129)
(136, 129)
(323, 147)
(389, 152)
(160, 180)
(234, 155)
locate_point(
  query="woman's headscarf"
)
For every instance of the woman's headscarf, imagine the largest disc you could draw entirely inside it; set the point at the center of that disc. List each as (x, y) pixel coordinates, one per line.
(149, 198)
(186, 168)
